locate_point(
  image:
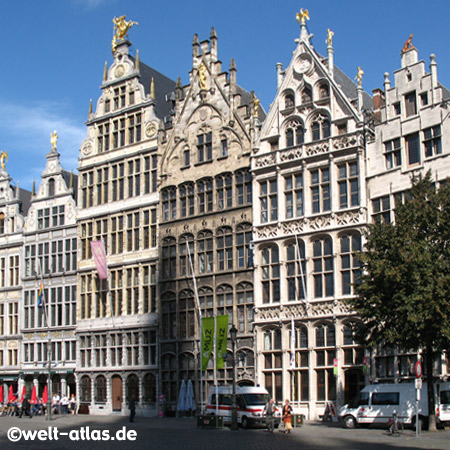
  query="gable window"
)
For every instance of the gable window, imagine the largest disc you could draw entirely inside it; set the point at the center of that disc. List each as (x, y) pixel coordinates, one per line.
(324, 91)
(320, 128)
(295, 134)
(410, 104)
(413, 148)
(432, 141)
(186, 157)
(204, 147)
(289, 101)
(224, 148)
(348, 184)
(306, 95)
(392, 153)
(51, 187)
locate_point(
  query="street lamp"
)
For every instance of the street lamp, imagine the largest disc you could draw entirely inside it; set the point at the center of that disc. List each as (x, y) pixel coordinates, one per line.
(233, 333)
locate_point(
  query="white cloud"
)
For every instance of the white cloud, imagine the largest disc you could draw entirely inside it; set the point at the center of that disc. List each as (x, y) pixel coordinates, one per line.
(25, 135)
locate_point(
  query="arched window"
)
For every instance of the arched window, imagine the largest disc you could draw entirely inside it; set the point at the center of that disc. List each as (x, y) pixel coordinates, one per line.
(323, 268)
(224, 245)
(350, 266)
(169, 203)
(100, 389)
(306, 95)
(168, 313)
(296, 272)
(320, 127)
(270, 266)
(187, 199)
(85, 389)
(295, 134)
(205, 252)
(243, 242)
(169, 258)
(224, 191)
(132, 387)
(149, 387)
(206, 299)
(289, 101)
(205, 195)
(187, 314)
(51, 187)
(224, 296)
(243, 187)
(185, 254)
(324, 91)
(244, 296)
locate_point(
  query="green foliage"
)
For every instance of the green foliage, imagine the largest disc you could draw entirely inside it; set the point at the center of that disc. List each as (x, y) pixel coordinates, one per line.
(404, 295)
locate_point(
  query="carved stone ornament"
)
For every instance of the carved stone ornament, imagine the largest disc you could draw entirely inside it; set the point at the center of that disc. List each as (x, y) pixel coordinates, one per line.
(320, 222)
(119, 71)
(267, 231)
(265, 160)
(316, 149)
(294, 227)
(291, 154)
(345, 142)
(151, 129)
(87, 148)
(348, 217)
(302, 64)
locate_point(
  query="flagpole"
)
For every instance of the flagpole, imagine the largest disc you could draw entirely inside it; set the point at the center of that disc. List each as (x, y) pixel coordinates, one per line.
(199, 324)
(48, 415)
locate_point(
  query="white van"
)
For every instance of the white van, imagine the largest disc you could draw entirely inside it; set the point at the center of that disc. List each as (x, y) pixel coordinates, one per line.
(376, 403)
(443, 403)
(250, 401)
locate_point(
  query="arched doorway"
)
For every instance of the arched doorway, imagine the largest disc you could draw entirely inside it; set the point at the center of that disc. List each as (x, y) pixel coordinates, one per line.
(354, 382)
(132, 387)
(117, 393)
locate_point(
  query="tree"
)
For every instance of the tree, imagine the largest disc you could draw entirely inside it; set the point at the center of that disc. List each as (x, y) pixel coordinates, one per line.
(403, 297)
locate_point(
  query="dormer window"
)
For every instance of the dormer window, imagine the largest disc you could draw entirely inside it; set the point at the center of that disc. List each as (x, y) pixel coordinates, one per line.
(204, 147)
(51, 187)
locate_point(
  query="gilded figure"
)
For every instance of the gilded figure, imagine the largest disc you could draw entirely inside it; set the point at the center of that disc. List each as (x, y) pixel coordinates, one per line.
(202, 76)
(256, 103)
(408, 44)
(302, 16)
(3, 158)
(54, 139)
(330, 35)
(359, 76)
(121, 27)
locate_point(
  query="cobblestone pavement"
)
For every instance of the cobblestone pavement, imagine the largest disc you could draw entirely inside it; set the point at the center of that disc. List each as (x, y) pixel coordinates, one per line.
(171, 433)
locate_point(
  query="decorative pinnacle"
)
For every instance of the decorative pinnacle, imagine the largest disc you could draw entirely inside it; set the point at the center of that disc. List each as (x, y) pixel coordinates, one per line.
(90, 107)
(136, 62)
(152, 89)
(105, 72)
(359, 76)
(329, 40)
(302, 16)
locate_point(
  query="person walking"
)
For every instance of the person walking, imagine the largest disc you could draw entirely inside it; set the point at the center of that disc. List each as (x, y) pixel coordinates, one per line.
(132, 407)
(269, 411)
(25, 408)
(287, 417)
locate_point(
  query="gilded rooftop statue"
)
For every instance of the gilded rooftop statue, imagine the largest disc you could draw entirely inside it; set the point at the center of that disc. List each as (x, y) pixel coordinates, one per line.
(3, 158)
(121, 27)
(302, 16)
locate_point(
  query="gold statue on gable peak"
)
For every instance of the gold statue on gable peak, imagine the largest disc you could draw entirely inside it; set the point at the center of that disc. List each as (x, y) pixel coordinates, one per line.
(302, 16)
(121, 27)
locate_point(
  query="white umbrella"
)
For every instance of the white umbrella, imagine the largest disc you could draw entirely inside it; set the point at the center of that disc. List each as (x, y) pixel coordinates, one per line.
(182, 397)
(190, 398)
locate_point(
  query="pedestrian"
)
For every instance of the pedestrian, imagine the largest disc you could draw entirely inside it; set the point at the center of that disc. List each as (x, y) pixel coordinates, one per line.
(269, 411)
(287, 417)
(73, 404)
(55, 403)
(132, 406)
(25, 408)
(64, 404)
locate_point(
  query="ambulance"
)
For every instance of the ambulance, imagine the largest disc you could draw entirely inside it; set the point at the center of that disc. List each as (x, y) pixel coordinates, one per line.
(250, 401)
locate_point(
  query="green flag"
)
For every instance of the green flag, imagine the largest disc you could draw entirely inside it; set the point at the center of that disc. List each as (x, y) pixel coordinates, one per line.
(207, 340)
(221, 340)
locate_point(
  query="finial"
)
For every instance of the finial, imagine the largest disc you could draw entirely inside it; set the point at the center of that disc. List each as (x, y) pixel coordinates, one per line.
(105, 72)
(302, 16)
(152, 89)
(359, 76)
(213, 33)
(408, 44)
(54, 139)
(232, 64)
(121, 27)
(256, 104)
(136, 62)
(3, 158)
(90, 107)
(195, 41)
(33, 189)
(329, 40)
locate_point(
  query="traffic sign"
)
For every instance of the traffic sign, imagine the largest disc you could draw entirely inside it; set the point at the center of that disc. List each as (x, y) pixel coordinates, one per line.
(418, 369)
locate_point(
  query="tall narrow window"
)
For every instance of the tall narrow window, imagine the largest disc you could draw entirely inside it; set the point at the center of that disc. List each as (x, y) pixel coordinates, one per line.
(205, 195)
(350, 267)
(243, 187)
(432, 141)
(169, 203)
(413, 148)
(320, 190)
(270, 266)
(204, 147)
(392, 153)
(294, 195)
(296, 271)
(224, 189)
(205, 252)
(224, 242)
(410, 104)
(323, 268)
(268, 200)
(348, 184)
(243, 243)
(169, 258)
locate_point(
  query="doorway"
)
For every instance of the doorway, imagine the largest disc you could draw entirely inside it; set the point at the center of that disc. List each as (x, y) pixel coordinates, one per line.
(354, 382)
(117, 393)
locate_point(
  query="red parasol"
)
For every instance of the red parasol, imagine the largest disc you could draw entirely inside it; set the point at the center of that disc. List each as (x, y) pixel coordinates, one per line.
(45, 396)
(1, 393)
(33, 399)
(11, 394)
(24, 392)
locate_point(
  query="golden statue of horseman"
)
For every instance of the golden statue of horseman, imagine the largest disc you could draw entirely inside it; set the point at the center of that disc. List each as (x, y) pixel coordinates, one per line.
(121, 27)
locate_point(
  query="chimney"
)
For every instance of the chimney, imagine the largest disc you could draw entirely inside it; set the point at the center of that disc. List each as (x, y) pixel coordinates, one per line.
(378, 102)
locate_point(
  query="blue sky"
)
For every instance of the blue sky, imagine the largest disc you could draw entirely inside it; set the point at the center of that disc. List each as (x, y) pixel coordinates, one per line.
(53, 54)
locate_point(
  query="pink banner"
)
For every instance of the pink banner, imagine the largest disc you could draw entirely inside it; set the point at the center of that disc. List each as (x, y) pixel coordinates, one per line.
(98, 251)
